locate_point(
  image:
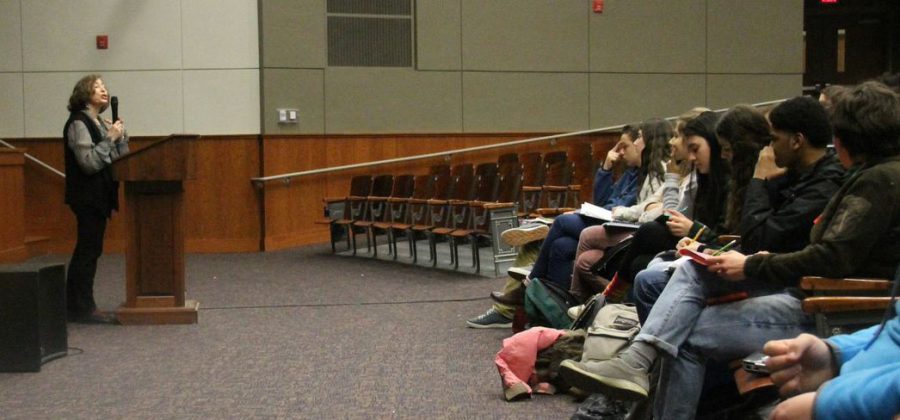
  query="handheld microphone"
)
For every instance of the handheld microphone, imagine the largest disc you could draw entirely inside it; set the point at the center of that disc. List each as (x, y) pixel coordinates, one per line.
(114, 102)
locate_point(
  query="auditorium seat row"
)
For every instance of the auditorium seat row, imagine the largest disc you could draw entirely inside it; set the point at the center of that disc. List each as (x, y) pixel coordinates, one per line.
(463, 204)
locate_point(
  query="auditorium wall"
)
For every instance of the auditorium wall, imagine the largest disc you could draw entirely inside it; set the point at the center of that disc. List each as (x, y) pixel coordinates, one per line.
(482, 72)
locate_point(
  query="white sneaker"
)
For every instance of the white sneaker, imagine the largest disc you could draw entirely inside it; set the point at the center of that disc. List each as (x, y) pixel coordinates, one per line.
(524, 234)
(575, 311)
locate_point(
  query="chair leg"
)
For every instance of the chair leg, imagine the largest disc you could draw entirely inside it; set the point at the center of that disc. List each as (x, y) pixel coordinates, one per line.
(411, 238)
(353, 234)
(432, 249)
(454, 252)
(476, 257)
(371, 233)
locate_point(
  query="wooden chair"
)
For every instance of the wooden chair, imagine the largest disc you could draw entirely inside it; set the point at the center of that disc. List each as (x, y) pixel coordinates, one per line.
(340, 212)
(488, 220)
(507, 158)
(459, 210)
(381, 209)
(398, 210)
(583, 170)
(418, 217)
(381, 187)
(532, 180)
(841, 306)
(533, 196)
(437, 212)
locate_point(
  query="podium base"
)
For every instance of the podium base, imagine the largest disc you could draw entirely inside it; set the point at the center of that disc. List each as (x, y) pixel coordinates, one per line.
(186, 314)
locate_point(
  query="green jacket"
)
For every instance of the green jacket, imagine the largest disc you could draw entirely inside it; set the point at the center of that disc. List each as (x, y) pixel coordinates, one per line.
(857, 235)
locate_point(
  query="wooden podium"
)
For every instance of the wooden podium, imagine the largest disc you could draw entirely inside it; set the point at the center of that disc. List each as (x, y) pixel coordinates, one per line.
(154, 224)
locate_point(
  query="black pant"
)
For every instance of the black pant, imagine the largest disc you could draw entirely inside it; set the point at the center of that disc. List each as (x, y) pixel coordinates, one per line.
(650, 239)
(83, 266)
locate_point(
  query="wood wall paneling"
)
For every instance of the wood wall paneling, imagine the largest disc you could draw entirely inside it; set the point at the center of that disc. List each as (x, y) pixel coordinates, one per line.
(12, 186)
(221, 209)
(224, 212)
(292, 208)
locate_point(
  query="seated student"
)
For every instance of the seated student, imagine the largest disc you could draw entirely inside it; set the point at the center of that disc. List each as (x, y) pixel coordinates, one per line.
(792, 181)
(607, 194)
(713, 172)
(678, 191)
(858, 234)
(854, 376)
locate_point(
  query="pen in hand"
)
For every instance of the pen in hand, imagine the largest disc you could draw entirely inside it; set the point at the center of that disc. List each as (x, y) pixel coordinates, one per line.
(699, 232)
(725, 248)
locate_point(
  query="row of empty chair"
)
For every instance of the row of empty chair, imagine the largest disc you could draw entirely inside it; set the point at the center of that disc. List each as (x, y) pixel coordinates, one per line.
(460, 204)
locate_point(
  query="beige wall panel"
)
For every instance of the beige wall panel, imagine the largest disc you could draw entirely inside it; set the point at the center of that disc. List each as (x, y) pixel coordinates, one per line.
(525, 35)
(293, 33)
(628, 98)
(10, 35)
(142, 35)
(46, 98)
(496, 102)
(149, 102)
(12, 123)
(220, 34)
(221, 101)
(383, 100)
(726, 90)
(438, 34)
(760, 36)
(302, 90)
(649, 36)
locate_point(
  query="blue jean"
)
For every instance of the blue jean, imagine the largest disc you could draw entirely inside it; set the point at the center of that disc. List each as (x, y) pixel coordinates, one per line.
(648, 285)
(723, 333)
(687, 332)
(557, 256)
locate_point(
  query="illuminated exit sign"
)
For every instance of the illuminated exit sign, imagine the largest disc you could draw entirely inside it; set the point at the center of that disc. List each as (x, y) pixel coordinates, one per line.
(828, 1)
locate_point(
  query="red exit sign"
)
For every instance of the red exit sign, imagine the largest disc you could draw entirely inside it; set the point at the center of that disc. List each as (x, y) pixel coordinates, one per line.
(828, 1)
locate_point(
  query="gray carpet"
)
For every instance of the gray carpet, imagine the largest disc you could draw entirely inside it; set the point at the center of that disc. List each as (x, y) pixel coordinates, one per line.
(290, 334)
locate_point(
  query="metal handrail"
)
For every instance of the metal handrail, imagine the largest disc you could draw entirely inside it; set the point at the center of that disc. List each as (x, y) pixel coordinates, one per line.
(286, 178)
(35, 160)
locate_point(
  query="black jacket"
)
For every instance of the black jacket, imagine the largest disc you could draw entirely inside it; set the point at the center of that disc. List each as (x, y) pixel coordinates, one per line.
(778, 215)
(97, 190)
(858, 233)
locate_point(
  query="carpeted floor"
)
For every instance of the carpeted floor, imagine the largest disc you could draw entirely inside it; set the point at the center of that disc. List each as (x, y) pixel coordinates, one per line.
(291, 334)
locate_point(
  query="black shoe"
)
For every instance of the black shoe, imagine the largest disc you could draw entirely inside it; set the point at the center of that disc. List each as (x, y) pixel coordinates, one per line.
(96, 317)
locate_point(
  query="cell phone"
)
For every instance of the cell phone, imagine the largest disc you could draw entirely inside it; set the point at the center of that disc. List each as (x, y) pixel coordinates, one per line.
(663, 218)
(756, 363)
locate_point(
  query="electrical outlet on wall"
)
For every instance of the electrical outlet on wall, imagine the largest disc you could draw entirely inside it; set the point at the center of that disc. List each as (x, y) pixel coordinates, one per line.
(288, 116)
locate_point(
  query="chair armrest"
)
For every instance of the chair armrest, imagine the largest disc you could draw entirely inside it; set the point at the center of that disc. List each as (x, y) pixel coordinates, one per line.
(356, 198)
(827, 304)
(528, 188)
(418, 201)
(495, 206)
(459, 202)
(812, 283)
(399, 200)
(376, 198)
(555, 188)
(334, 199)
(575, 187)
(437, 202)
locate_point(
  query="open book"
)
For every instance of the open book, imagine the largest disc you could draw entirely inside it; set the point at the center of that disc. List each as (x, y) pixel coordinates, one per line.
(596, 212)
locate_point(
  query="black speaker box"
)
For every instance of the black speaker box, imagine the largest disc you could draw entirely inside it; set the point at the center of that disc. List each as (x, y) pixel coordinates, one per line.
(32, 316)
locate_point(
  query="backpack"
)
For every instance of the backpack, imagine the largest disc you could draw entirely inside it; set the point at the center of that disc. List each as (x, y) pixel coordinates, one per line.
(546, 305)
(613, 328)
